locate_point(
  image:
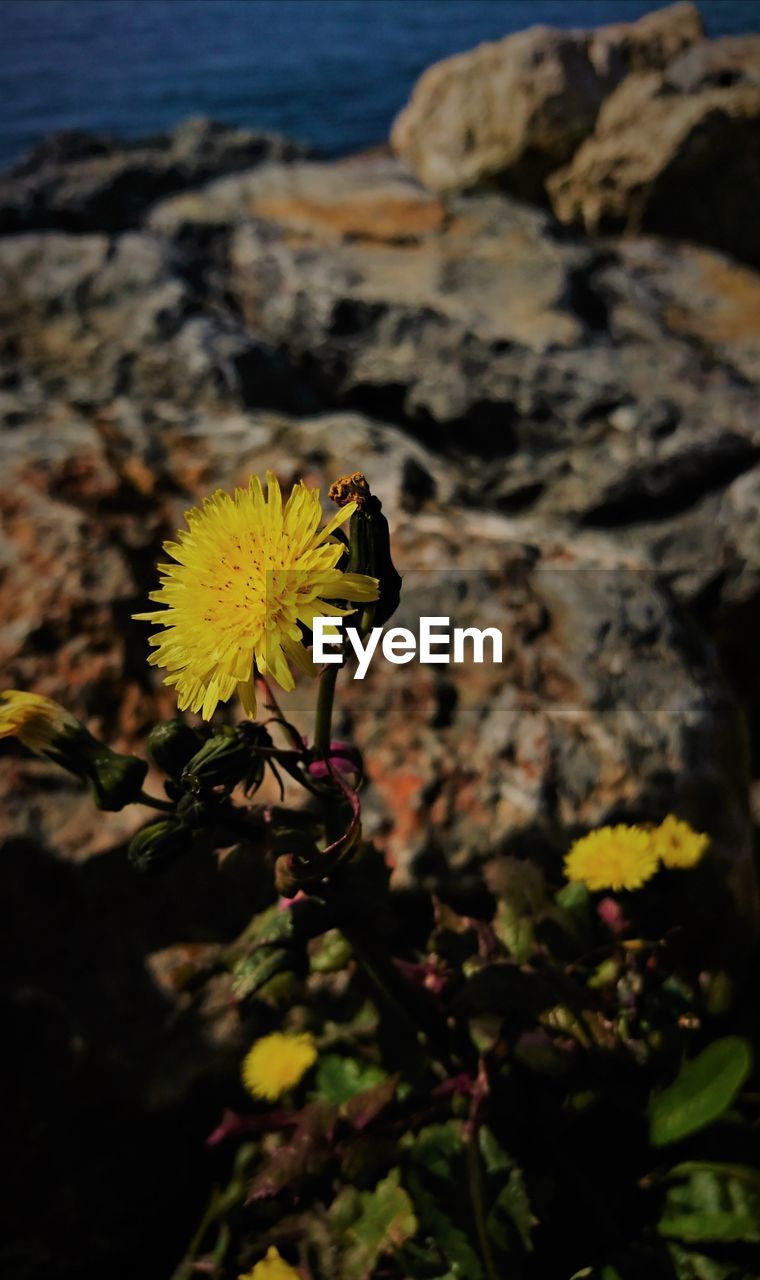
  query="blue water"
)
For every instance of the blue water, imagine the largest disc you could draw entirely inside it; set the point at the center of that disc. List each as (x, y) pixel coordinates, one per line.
(330, 72)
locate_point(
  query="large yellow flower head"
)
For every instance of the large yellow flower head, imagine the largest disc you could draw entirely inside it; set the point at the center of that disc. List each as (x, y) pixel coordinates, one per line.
(273, 1267)
(249, 572)
(678, 844)
(276, 1063)
(618, 857)
(36, 721)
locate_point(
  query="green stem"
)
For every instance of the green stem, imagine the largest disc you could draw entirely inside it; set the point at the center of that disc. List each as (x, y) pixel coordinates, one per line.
(475, 1184)
(272, 705)
(323, 720)
(153, 802)
(407, 1005)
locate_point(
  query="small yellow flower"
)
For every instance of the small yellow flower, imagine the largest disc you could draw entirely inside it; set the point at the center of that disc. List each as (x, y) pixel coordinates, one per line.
(36, 721)
(273, 1267)
(277, 1062)
(678, 844)
(618, 857)
(250, 573)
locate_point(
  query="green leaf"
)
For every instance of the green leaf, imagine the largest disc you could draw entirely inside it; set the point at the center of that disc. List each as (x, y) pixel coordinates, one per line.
(365, 1106)
(437, 1148)
(519, 885)
(712, 1202)
(696, 1266)
(701, 1091)
(330, 953)
(495, 1158)
(344, 1210)
(515, 931)
(252, 972)
(384, 1221)
(460, 1258)
(435, 1181)
(339, 1079)
(511, 1208)
(303, 1154)
(297, 922)
(574, 897)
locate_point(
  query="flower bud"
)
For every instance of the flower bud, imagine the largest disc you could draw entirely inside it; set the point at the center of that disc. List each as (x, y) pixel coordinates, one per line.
(196, 811)
(227, 759)
(369, 542)
(50, 730)
(172, 744)
(158, 845)
(116, 780)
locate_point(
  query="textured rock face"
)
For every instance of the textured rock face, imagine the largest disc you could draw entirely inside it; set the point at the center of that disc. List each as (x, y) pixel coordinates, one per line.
(483, 756)
(514, 110)
(606, 385)
(676, 153)
(83, 182)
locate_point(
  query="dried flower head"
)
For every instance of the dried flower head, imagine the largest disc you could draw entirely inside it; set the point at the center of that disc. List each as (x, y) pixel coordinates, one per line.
(677, 844)
(353, 488)
(250, 572)
(272, 1267)
(618, 857)
(277, 1063)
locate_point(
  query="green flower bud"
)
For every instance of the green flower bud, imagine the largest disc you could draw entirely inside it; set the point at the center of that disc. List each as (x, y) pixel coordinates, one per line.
(228, 759)
(158, 845)
(172, 744)
(195, 811)
(116, 780)
(369, 543)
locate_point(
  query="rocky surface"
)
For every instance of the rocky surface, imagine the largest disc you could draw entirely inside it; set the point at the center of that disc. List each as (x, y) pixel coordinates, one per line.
(549, 391)
(675, 152)
(81, 181)
(639, 127)
(563, 431)
(580, 382)
(512, 111)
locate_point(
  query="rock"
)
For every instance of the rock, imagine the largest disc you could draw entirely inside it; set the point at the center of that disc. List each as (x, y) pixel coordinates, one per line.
(577, 385)
(716, 64)
(512, 111)
(108, 318)
(76, 181)
(604, 384)
(675, 153)
(476, 751)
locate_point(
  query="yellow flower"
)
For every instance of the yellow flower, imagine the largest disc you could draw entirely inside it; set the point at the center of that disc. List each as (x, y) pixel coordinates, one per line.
(249, 573)
(36, 721)
(277, 1062)
(677, 844)
(612, 858)
(273, 1267)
